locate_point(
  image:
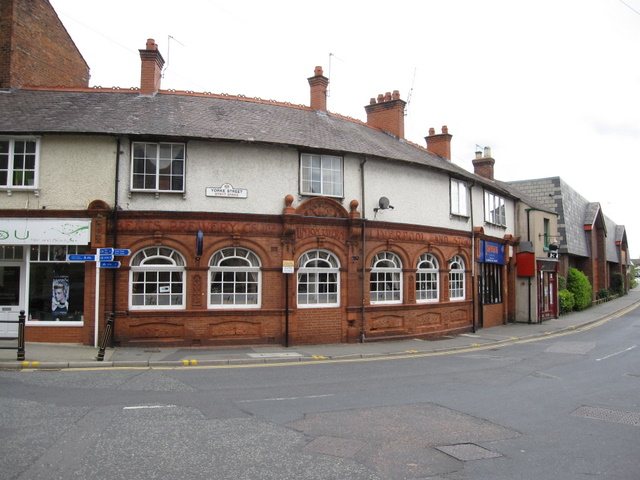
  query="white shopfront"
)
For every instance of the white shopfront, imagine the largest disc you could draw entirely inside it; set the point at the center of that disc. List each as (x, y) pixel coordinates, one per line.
(35, 275)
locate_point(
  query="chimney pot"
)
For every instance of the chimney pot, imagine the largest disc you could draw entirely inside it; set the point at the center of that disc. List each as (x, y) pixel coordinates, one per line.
(151, 68)
(387, 114)
(483, 165)
(318, 84)
(439, 144)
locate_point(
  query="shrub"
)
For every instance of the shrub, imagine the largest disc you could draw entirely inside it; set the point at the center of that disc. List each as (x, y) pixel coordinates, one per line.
(562, 283)
(578, 284)
(567, 301)
(603, 294)
(617, 284)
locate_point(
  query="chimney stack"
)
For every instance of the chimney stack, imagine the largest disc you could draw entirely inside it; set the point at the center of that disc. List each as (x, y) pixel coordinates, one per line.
(151, 71)
(483, 164)
(439, 144)
(318, 84)
(387, 113)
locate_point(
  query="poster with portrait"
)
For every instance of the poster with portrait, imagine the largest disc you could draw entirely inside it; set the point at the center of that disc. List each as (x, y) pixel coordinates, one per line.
(60, 296)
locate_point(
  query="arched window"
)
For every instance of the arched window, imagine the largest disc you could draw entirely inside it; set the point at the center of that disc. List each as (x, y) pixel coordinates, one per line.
(427, 279)
(157, 279)
(234, 279)
(318, 279)
(456, 279)
(385, 282)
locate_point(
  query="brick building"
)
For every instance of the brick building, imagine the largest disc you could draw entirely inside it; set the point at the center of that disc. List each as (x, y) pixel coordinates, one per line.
(240, 221)
(586, 238)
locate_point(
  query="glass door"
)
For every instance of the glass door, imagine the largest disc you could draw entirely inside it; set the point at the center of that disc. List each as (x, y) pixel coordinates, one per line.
(11, 282)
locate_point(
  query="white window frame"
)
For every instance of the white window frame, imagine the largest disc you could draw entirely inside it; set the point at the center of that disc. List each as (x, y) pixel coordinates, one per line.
(318, 270)
(459, 198)
(157, 162)
(494, 209)
(321, 175)
(162, 261)
(457, 283)
(235, 279)
(11, 157)
(386, 271)
(428, 276)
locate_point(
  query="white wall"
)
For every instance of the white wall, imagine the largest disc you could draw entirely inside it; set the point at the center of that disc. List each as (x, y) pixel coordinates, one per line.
(73, 171)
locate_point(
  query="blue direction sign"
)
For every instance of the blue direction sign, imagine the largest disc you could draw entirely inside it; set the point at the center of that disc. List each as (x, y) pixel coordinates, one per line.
(109, 264)
(106, 258)
(105, 251)
(122, 251)
(81, 258)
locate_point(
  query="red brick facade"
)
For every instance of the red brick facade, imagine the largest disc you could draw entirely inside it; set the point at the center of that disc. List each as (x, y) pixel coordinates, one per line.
(319, 223)
(35, 48)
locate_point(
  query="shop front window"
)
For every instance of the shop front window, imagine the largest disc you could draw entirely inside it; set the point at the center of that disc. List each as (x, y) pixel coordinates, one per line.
(56, 287)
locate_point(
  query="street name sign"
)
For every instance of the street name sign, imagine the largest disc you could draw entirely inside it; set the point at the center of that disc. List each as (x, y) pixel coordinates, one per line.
(109, 264)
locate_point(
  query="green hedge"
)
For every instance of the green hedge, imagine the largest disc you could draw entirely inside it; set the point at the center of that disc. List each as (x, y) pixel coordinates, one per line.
(567, 301)
(578, 284)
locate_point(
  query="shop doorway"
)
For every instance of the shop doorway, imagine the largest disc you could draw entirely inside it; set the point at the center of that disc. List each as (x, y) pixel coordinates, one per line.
(11, 298)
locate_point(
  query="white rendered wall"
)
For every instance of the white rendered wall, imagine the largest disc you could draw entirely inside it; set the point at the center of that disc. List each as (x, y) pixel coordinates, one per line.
(418, 195)
(267, 173)
(73, 171)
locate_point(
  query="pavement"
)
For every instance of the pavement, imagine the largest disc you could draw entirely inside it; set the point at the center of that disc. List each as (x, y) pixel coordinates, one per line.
(55, 356)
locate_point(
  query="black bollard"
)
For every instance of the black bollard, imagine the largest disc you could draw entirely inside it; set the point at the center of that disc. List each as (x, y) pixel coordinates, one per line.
(106, 336)
(21, 319)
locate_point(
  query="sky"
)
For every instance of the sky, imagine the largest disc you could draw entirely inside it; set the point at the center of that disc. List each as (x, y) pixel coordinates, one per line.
(552, 86)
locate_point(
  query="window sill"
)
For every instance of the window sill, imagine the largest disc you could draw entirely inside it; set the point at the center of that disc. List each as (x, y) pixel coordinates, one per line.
(156, 193)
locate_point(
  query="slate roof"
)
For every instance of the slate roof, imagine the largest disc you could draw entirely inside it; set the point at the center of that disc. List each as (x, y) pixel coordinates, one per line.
(206, 116)
(575, 212)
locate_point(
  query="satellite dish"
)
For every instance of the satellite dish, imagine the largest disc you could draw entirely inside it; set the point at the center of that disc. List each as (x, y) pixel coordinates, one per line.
(383, 203)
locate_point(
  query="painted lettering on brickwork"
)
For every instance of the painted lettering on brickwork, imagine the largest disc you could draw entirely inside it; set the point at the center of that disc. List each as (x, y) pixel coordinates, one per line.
(194, 225)
(305, 232)
(421, 237)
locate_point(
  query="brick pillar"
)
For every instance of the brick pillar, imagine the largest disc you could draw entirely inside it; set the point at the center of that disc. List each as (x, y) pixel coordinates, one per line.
(151, 70)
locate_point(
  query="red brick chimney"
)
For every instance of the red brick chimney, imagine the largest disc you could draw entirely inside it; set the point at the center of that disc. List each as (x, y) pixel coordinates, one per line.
(483, 165)
(151, 71)
(387, 113)
(439, 144)
(318, 84)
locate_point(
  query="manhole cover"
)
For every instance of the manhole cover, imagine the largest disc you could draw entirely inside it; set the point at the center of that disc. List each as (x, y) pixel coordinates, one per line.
(618, 416)
(468, 451)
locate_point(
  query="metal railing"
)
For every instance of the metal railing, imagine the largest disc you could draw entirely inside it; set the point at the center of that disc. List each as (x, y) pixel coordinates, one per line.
(20, 337)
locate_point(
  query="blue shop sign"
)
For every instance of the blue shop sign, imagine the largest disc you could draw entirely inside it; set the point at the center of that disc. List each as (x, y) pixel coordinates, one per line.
(491, 252)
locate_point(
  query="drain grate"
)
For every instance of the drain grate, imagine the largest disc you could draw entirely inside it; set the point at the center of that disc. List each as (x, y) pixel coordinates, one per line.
(468, 451)
(618, 416)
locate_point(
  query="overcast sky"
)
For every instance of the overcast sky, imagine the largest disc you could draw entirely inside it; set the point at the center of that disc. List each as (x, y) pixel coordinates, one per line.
(551, 86)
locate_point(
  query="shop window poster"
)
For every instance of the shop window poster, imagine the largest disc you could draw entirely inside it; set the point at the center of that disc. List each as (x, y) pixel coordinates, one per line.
(60, 296)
